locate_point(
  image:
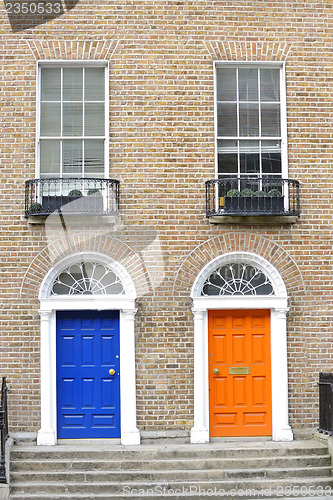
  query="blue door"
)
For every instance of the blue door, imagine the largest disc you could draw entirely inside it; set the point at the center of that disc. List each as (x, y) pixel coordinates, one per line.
(88, 380)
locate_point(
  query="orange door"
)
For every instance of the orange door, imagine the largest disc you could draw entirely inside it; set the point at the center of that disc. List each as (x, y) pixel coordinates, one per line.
(240, 399)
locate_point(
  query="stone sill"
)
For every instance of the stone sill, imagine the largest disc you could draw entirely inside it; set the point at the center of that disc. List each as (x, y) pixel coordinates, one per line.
(76, 219)
(250, 220)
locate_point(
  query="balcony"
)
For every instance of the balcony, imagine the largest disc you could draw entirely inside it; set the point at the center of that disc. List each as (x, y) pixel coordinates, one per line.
(252, 200)
(71, 196)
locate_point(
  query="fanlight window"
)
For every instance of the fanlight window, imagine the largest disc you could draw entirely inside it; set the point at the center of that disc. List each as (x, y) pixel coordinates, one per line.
(87, 278)
(237, 279)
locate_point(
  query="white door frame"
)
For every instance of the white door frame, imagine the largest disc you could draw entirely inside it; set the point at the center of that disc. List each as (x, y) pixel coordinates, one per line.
(49, 305)
(278, 306)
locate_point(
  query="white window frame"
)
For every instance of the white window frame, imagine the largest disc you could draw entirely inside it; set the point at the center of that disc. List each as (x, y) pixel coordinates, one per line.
(81, 63)
(283, 107)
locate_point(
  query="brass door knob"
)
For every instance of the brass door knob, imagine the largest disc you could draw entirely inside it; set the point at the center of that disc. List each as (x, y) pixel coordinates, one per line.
(216, 371)
(112, 371)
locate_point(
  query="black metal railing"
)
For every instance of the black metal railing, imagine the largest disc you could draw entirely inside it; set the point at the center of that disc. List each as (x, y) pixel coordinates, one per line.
(3, 430)
(326, 403)
(72, 195)
(252, 196)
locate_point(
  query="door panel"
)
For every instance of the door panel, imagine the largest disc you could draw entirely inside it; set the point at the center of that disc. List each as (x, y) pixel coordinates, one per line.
(240, 390)
(88, 397)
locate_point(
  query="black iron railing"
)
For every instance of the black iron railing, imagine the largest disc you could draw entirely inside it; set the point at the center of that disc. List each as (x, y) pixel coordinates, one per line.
(252, 196)
(72, 196)
(326, 403)
(3, 430)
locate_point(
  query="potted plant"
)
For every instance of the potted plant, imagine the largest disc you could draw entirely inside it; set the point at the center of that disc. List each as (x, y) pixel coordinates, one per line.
(94, 191)
(93, 202)
(275, 201)
(75, 193)
(35, 209)
(249, 201)
(52, 203)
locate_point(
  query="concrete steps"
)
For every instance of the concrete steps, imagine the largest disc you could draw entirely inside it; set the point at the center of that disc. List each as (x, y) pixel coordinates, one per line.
(231, 469)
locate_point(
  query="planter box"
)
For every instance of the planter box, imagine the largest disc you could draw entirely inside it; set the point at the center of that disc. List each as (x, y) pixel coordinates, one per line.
(78, 204)
(52, 203)
(254, 204)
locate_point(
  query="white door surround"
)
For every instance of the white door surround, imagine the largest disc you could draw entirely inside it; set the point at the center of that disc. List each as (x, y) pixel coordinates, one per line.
(278, 305)
(49, 305)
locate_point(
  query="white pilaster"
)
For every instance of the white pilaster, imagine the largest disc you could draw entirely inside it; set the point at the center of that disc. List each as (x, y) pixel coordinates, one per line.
(200, 430)
(47, 433)
(130, 434)
(281, 429)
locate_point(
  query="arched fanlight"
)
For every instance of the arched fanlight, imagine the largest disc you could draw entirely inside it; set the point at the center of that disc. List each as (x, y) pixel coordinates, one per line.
(87, 278)
(237, 279)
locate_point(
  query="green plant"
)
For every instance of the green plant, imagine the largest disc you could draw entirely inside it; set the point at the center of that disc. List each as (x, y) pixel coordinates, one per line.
(274, 192)
(247, 192)
(94, 191)
(75, 192)
(233, 192)
(35, 208)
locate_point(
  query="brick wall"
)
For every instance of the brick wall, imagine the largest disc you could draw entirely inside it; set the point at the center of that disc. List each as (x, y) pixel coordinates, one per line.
(161, 57)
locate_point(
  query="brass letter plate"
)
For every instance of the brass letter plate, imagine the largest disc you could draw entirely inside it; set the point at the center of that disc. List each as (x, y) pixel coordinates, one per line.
(239, 370)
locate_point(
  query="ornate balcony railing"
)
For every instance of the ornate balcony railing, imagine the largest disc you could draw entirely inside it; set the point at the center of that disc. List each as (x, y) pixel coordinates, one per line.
(247, 196)
(3, 430)
(75, 196)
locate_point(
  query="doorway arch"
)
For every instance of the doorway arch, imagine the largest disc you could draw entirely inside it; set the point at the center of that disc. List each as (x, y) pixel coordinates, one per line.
(277, 302)
(115, 293)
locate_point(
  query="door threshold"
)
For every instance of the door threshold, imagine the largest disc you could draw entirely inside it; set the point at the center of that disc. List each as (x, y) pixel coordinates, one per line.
(88, 441)
(240, 438)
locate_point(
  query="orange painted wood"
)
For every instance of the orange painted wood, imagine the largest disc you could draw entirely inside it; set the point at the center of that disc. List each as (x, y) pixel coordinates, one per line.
(239, 404)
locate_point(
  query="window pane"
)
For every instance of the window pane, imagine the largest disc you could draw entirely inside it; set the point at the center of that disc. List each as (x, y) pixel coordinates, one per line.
(248, 84)
(72, 156)
(248, 182)
(49, 157)
(94, 84)
(68, 186)
(93, 156)
(64, 157)
(227, 157)
(248, 120)
(72, 119)
(271, 157)
(270, 120)
(226, 84)
(73, 84)
(227, 119)
(270, 85)
(50, 117)
(50, 188)
(249, 157)
(94, 119)
(50, 82)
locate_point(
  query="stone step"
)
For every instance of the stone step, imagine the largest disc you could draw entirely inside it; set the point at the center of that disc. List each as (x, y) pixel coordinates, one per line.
(173, 489)
(171, 471)
(193, 463)
(225, 450)
(169, 475)
(267, 494)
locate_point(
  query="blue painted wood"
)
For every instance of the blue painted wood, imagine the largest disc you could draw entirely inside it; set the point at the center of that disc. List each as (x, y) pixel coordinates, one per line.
(88, 397)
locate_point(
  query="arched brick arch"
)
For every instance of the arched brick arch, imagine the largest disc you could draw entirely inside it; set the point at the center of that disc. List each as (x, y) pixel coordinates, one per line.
(63, 247)
(72, 49)
(238, 242)
(225, 50)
